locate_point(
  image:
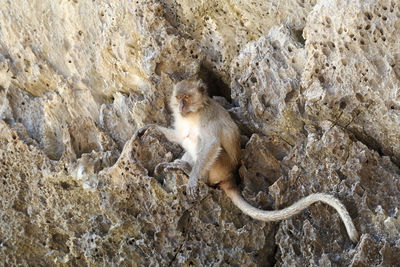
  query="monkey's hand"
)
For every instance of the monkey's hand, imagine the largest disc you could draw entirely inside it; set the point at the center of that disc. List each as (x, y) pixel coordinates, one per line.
(142, 130)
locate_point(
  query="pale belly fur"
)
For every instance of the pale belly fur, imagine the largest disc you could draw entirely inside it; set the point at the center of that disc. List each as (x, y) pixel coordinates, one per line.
(188, 129)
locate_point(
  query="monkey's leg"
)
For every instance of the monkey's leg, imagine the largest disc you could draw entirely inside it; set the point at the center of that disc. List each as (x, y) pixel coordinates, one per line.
(205, 159)
(221, 170)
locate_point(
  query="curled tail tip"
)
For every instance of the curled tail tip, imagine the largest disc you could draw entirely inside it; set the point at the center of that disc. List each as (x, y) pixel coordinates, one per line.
(354, 236)
(355, 239)
(231, 190)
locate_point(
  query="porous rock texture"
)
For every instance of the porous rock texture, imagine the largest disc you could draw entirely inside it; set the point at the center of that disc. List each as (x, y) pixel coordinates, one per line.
(313, 85)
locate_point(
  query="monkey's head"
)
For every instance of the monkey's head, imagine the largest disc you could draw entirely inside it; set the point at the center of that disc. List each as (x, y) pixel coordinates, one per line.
(189, 96)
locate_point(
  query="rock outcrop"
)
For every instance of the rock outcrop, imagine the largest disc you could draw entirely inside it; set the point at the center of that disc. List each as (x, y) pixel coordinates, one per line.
(313, 85)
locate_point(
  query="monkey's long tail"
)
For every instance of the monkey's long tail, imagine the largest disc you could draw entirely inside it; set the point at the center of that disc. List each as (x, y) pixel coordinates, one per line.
(277, 215)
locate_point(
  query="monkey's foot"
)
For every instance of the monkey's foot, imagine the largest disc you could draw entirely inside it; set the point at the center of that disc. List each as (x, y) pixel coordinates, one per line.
(192, 189)
(176, 165)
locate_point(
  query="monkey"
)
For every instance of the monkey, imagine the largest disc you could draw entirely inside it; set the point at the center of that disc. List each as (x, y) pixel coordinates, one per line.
(211, 141)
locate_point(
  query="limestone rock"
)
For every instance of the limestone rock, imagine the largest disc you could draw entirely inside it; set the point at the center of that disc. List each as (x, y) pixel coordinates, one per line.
(313, 86)
(266, 84)
(223, 28)
(352, 73)
(127, 217)
(334, 163)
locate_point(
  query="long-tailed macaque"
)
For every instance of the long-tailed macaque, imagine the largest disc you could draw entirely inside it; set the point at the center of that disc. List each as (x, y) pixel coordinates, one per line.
(212, 148)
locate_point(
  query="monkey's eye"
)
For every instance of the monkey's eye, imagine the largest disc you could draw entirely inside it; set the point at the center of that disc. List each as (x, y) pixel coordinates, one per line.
(184, 97)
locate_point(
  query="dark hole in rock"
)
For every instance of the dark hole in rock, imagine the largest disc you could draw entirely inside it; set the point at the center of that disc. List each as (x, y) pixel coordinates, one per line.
(216, 86)
(298, 35)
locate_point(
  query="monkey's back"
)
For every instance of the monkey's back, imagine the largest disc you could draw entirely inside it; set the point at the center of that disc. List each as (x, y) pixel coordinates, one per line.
(217, 121)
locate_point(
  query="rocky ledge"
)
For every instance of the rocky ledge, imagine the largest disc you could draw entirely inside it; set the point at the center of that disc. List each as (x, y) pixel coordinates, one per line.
(313, 85)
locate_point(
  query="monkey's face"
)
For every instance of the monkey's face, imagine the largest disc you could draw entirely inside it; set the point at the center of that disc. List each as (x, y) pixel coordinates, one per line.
(184, 103)
(188, 102)
(188, 97)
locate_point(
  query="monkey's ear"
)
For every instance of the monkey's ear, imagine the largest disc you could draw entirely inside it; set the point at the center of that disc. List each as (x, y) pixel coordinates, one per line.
(202, 87)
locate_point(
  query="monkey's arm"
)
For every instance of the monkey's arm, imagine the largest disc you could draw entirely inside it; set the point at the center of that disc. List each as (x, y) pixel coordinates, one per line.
(170, 134)
(207, 156)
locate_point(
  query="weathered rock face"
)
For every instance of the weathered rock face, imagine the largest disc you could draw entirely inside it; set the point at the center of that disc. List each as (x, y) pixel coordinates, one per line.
(313, 85)
(352, 72)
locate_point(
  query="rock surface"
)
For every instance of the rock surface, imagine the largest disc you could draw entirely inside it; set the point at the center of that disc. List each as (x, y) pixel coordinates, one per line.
(313, 85)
